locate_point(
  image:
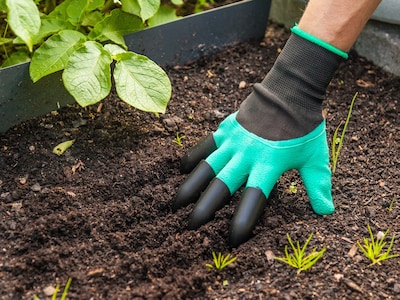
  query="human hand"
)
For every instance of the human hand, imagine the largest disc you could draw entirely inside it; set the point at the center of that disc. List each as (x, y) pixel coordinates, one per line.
(277, 128)
(233, 156)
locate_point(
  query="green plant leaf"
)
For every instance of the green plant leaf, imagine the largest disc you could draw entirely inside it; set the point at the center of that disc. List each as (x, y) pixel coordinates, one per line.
(298, 259)
(56, 21)
(18, 57)
(24, 19)
(337, 142)
(60, 12)
(3, 6)
(220, 261)
(91, 18)
(87, 76)
(217, 261)
(177, 2)
(4, 41)
(145, 9)
(131, 6)
(164, 15)
(374, 250)
(53, 55)
(114, 26)
(62, 147)
(227, 261)
(114, 49)
(93, 4)
(76, 11)
(66, 288)
(140, 82)
(51, 26)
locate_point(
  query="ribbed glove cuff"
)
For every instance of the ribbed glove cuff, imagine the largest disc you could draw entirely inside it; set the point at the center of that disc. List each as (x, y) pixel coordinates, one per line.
(291, 93)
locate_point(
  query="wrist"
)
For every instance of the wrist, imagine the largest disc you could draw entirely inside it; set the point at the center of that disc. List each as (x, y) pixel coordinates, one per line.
(288, 103)
(305, 35)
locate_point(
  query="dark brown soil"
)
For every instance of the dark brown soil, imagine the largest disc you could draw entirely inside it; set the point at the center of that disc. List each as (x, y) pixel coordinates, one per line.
(101, 213)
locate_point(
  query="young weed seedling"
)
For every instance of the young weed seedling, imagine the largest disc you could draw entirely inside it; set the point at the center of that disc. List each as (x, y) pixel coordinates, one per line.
(293, 187)
(299, 259)
(220, 261)
(391, 204)
(54, 296)
(373, 249)
(178, 139)
(337, 142)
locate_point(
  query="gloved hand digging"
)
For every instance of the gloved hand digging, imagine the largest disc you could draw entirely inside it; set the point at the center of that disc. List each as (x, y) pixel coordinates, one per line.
(277, 128)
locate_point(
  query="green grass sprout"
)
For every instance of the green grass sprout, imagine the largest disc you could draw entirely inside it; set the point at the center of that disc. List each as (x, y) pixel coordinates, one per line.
(373, 249)
(299, 259)
(54, 296)
(391, 204)
(220, 261)
(293, 187)
(178, 139)
(337, 142)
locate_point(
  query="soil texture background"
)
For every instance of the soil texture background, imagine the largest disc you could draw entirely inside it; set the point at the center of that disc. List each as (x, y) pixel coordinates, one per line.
(101, 212)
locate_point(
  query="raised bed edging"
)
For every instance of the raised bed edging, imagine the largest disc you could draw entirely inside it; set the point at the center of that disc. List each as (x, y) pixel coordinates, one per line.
(174, 43)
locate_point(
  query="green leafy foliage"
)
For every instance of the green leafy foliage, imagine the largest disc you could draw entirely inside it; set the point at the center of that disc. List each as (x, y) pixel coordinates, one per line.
(178, 139)
(220, 261)
(299, 259)
(83, 38)
(54, 54)
(143, 8)
(87, 75)
(3, 6)
(114, 26)
(16, 58)
(24, 19)
(373, 249)
(164, 15)
(134, 74)
(202, 5)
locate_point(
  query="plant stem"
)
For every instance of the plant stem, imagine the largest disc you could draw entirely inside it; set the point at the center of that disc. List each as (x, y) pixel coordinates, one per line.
(336, 152)
(4, 47)
(49, 6)
(107, 6)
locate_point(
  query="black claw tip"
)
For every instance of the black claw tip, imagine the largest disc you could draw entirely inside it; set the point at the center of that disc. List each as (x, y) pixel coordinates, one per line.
(250, 209)
(214, 198)
(200, 151)
(192, 187)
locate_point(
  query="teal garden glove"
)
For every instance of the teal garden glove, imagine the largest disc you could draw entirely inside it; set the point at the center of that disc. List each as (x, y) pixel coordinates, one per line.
(277, 128)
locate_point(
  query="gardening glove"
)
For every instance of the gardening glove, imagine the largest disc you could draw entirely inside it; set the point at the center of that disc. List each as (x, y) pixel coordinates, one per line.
(277, 128)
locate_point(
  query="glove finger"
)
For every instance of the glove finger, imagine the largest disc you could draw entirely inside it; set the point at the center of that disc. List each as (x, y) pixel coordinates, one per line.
(195, 183)
(234, 172)
(200, 151)
(247, 214)
(264, 177)
(317, 181)
(214, 198)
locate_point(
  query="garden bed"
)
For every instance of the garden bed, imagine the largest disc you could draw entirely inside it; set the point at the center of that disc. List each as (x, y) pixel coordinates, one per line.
(101, 213)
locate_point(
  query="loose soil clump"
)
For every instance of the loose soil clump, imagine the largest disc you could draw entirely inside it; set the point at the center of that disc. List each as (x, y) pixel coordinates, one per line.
(101, 212)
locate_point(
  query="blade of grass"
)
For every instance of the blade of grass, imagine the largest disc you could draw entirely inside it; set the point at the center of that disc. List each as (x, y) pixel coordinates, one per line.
(66, 288)
(335, 154)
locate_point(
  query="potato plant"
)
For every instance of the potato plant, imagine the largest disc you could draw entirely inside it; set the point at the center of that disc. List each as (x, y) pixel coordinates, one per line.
(85, 40)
